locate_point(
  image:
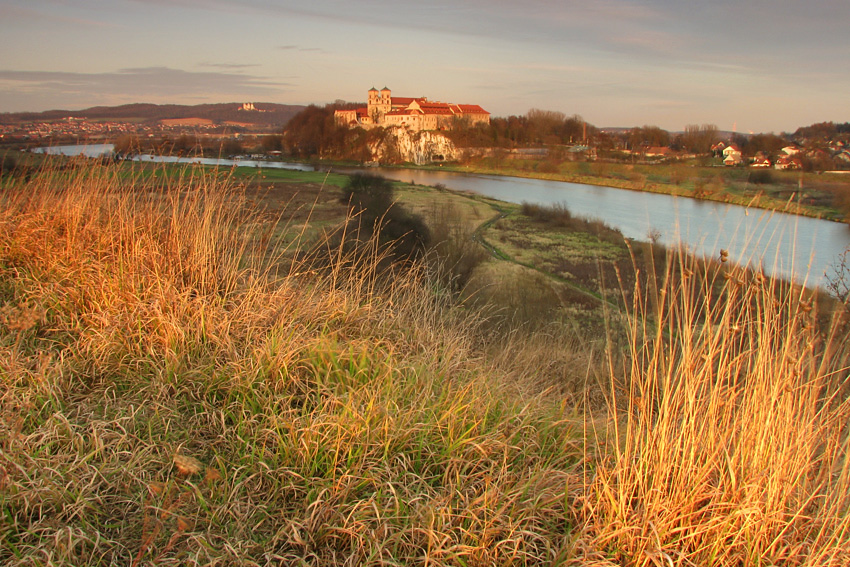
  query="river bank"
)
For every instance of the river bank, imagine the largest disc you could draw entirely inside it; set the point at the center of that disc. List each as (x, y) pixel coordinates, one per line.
(797, 246)
(814, 195)
(819, 196)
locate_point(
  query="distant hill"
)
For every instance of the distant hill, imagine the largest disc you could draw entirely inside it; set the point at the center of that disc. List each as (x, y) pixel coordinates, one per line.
(267, 114)
(721, 134)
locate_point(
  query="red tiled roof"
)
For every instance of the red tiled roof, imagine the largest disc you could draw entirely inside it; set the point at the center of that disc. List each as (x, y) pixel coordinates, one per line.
(472, 109)
(436, 108)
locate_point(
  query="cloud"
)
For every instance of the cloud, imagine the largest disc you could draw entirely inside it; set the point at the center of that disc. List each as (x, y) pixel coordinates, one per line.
(303, 49)
(20, 14)
(232, 66)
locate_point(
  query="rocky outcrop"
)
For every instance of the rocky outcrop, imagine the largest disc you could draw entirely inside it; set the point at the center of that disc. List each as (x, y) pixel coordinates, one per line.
(402, 145)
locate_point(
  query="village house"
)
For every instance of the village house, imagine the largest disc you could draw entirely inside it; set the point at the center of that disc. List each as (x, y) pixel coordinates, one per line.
(718, 148)
(788, 162)
(416, 114)
(732, 155)
(761, 160)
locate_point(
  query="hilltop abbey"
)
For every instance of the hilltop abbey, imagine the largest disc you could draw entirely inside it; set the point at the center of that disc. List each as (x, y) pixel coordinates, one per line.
(416, 114)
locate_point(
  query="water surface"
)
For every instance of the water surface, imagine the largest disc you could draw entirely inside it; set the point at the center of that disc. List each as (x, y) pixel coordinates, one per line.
(782, 244)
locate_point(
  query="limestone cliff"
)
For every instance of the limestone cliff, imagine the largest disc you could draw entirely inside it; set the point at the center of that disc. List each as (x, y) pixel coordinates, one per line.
(399, 144)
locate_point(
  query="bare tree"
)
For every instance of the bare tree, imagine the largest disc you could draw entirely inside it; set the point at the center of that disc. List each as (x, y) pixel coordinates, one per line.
(699, 139)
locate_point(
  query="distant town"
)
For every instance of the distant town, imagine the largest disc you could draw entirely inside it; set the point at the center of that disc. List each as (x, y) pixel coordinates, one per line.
(105, 124)
(469, 127)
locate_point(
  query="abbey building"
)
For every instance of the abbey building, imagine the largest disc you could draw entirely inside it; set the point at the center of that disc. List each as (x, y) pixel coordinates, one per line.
(416, 114)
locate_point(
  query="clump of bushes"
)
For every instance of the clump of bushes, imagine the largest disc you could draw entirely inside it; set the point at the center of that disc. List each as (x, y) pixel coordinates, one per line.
(559, 216)
(761, 177)
(556, 215)
(373, 212)
(454, 253)
(8, 164)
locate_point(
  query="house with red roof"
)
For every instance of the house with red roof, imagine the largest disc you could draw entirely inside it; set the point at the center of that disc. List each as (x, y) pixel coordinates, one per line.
(732, 155)
(416, 114)
(788, 162)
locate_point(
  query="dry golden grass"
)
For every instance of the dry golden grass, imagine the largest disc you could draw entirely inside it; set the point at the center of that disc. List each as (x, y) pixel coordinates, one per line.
(729, 445)
(177, 403)
(170, 396)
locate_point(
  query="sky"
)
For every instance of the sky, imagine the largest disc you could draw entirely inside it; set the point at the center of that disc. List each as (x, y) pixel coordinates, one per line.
(749, 66)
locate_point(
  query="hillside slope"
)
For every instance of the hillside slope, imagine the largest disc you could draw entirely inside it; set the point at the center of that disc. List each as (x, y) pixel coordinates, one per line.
(271, 115)
(174, 391)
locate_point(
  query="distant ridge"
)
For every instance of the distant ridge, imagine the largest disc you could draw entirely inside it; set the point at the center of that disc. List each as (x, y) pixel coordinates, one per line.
(721, 134)
(266, 114)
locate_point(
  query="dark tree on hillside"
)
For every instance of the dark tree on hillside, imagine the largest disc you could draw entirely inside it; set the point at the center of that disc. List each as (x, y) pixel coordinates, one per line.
(822, 131)
(314, 133)
(652, 136)
(574, 130)
(545, 126)
(699, 139)
(536, 128)
(770, 144)
(272, 143)
(306, 134)
(374, 212)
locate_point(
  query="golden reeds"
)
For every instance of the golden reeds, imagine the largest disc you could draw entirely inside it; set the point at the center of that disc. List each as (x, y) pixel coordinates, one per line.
(729, 443)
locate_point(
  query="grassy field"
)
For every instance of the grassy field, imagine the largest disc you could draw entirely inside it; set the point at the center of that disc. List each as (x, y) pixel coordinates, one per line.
(178, 388)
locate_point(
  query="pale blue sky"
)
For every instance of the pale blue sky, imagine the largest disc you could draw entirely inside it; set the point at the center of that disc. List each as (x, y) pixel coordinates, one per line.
(763, 65)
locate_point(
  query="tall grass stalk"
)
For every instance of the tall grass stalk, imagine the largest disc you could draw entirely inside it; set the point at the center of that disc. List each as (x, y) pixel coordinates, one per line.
(729, 436)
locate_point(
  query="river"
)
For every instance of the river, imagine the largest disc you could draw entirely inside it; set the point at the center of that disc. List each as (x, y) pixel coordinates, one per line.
(790, 246)
(98, 150)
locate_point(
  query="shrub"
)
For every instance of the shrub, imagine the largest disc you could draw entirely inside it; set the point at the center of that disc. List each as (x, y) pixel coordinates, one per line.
(454, 251)
(761, 177)
(556, 215)
(373, 212)
(8, 164)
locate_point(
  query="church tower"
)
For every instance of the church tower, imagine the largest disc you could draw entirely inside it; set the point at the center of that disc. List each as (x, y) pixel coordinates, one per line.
(374, 96)
(380, 103)
(373, 104)
(386, 102)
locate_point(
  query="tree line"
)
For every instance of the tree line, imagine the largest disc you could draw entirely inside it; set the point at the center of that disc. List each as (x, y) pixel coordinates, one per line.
(314, 133)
